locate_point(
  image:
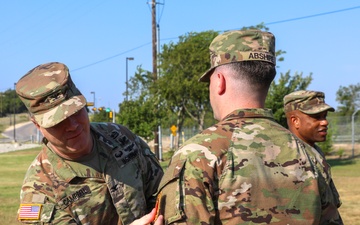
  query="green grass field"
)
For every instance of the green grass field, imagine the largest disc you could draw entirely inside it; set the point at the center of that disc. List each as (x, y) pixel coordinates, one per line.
(13, 166)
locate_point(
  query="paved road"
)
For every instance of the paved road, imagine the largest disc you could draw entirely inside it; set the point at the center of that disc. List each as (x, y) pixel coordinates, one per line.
(26, 136)
(24, 132)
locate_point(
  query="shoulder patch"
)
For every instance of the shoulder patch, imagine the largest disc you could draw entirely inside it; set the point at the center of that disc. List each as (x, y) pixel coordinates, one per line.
(122, 147)
(127, 149)
(29, 211)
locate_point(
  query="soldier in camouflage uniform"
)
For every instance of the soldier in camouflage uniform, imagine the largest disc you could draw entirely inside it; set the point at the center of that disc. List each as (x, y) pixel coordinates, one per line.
(86, 173)
(246, 169)
(306, 113)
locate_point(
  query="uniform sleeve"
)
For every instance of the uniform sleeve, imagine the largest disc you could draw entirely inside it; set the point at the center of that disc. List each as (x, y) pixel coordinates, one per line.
(330, 199)
(38, 197)
(152, 173)
(187, 191)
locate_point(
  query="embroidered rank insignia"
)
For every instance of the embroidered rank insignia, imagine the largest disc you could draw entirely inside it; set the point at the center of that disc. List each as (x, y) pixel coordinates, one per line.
(29, 211)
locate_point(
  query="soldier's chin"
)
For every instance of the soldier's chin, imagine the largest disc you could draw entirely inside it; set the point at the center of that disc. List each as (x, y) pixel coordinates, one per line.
(321, 139)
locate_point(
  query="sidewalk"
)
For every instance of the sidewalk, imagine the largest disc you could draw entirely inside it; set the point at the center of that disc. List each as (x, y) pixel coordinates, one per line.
(8, 147)
(16, 146)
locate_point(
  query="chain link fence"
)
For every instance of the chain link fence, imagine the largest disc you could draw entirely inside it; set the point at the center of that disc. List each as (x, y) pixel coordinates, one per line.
(340, 127)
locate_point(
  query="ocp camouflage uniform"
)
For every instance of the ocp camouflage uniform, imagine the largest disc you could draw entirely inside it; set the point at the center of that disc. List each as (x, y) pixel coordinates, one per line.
(247, 169)
(115, 184)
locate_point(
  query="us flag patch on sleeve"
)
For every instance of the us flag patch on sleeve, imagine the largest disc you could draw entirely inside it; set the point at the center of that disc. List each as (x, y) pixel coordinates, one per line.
(29, 211)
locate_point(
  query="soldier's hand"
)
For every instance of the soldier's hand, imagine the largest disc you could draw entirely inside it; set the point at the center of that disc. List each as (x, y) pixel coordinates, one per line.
(159, 220)
(148, 219)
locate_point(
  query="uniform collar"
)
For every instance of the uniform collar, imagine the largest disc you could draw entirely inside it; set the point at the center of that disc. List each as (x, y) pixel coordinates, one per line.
(250, 113)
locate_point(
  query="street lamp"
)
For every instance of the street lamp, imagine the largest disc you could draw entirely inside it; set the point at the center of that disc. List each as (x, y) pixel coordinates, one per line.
(1, 96)
(14, 111)
(93, 92)
(127, 58)
(353, 131)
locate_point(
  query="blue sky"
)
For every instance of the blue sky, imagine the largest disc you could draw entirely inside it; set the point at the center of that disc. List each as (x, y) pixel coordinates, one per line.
(94, 37)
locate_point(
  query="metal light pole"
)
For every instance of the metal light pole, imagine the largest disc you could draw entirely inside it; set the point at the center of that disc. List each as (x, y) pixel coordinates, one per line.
(93, 92)
(14, 111)
(1, 96)
(353, 131)
(127, 59)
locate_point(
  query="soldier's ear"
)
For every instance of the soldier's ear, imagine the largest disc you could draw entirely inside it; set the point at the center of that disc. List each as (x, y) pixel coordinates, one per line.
(295, 121)
(222, 84)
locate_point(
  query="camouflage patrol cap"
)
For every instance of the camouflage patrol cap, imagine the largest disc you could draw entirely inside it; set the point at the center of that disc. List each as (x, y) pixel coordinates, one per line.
(240, 45)
(49, 94)
(308, 102)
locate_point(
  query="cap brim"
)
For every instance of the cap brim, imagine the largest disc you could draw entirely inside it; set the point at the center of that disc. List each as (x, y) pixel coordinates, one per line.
(206, 76)
(318, 109)
(60, 112)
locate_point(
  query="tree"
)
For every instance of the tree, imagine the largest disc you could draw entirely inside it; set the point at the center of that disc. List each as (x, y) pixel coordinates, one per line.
(349, 99)
(100, 116)
(285, 85)
(10, 103)
(139, 117)
(176, 97)
(326, 146)
(182, 64)
(145, 108)
(176, 91)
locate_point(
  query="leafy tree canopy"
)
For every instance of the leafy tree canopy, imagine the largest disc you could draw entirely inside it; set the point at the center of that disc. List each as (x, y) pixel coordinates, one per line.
(176, 96)
(283, 86)
(349, 99)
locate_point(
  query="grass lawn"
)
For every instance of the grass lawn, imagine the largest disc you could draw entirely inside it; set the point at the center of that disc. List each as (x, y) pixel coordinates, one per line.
(13, 166)
(346, 175)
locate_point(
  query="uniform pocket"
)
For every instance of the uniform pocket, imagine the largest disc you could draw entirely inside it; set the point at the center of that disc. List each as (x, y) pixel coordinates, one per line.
(47, 212)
